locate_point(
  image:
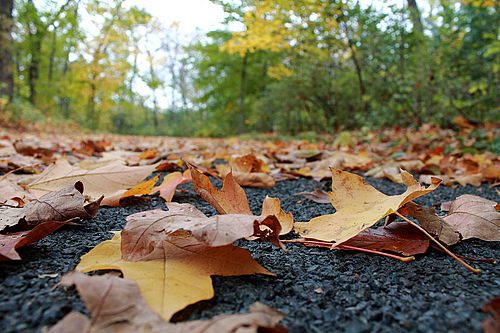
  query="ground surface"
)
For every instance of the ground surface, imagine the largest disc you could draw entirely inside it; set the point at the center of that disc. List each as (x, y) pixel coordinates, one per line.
(319, 290)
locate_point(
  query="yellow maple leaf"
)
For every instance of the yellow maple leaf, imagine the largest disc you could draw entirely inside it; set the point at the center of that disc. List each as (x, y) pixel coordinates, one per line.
(181, 278)
(359, 206)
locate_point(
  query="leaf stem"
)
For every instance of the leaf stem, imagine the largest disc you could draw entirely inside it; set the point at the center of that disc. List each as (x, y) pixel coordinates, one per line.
(451, 254)
(486, 260)
(348, 247)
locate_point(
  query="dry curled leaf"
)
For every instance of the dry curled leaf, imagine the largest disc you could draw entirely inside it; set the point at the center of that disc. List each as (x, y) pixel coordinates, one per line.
(145, 232)
(62, 205)
(474, 217)
(432, 223)
(231, 199)
(248, 170)
(116, 305)
(272, 207)
(359, 206)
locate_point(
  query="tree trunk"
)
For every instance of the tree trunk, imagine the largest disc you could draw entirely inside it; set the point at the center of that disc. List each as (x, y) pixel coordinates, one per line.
(6, 49)
(359, 74)
(52, 56)
(415, 16)
(243, 91)
(34, 67)
(92, 117)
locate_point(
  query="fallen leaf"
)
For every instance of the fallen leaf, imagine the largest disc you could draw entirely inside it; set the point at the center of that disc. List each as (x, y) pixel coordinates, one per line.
(170, 183)
(145, 232)
(181, 277)
(398, 237)
(492, 323)
(358, 205)
(116, 305)
(248, 170)
(337, 160)
(140, 189)
(231, 199)
(317, 195)
(11, 190)
(432, 223)
(254, 179)
(272, 207)
(474, 179)
(247, 164)
(62, 205)
(103, 181)
(474, 217)
(35, 147)
(9, 243)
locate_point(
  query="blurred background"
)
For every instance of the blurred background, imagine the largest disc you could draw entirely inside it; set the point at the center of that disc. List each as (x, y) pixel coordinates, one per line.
(223, 67)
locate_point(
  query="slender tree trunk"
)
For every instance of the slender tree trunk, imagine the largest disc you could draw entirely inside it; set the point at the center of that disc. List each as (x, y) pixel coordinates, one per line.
(52, 56)
(34, 67)
(6, 49)
(243, 91)
(359, 74)
(155, 110)
(402, 47)
(415, 16)
(418, 30)
(91, 110)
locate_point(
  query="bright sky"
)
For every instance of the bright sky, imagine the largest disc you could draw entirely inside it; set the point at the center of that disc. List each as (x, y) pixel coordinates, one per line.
(191, 14)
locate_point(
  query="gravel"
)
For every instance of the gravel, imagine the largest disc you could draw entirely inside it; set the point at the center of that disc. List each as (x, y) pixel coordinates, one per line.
(319, 290)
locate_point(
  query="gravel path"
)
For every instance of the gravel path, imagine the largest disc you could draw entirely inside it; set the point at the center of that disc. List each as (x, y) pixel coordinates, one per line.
(319, 290)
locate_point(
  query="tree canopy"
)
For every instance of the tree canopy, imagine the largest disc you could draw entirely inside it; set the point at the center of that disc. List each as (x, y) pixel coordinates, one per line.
(291, 66)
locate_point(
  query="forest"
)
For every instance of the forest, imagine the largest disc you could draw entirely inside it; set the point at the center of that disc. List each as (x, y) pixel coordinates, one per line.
(291, 67)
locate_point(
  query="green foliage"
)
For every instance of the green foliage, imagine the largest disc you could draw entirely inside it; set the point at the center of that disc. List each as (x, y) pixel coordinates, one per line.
(297, 68)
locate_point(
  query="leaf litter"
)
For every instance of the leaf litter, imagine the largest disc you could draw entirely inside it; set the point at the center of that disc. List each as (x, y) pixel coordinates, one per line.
(101, 165)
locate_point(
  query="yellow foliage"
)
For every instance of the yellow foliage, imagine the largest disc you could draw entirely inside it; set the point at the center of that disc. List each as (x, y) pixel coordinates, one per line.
(279, 71)
(479, 3)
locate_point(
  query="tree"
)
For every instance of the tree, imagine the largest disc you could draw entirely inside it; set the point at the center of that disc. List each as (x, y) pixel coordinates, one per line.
(37, 24)
(6, 49)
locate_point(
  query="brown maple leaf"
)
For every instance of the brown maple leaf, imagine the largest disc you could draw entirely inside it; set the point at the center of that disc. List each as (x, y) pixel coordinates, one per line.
(116, 305)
